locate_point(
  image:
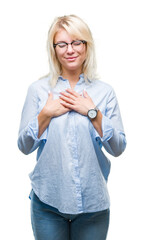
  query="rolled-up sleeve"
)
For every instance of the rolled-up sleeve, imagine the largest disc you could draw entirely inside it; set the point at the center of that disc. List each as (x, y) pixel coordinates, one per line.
(29, 128)
(114, 139)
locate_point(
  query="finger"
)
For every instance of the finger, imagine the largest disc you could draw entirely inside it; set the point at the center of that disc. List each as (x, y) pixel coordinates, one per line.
(50, 95)
(68, 100)
(85, 94)
(68, 95)
(74, 93)
(63, 103)
(67, 105)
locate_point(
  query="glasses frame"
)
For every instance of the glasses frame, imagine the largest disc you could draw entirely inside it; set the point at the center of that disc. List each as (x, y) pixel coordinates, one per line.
(82, 41)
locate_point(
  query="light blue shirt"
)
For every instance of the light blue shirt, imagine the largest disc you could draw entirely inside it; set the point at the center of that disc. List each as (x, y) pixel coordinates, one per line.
(71, 171)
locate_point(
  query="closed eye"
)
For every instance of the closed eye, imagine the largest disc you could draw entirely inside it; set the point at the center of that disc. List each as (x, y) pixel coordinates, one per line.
(62, 44)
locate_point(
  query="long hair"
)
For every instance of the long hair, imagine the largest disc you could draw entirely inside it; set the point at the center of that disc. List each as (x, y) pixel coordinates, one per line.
(76, 27)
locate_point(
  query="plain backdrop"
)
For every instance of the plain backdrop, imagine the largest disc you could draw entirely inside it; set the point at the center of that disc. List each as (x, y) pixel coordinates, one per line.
(117, 28)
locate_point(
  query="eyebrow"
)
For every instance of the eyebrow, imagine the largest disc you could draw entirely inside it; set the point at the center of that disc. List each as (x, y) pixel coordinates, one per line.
(66, 42)
(61, 42)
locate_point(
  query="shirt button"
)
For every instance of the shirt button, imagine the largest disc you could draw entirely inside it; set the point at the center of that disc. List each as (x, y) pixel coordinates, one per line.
(69, 220)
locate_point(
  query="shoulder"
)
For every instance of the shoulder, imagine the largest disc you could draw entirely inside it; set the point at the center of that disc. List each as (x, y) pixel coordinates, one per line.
(101, 90)
(102, 87)
(40, 85)
(43, 82)
(102, 84)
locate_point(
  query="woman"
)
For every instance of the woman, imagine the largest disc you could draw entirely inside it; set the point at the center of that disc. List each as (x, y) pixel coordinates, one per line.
(69, 116)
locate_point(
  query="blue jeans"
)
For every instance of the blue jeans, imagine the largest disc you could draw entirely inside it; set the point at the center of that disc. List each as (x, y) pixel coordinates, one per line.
(50, 224)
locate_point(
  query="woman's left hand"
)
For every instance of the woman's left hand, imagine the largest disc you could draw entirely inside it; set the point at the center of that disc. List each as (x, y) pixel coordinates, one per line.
(75, 101)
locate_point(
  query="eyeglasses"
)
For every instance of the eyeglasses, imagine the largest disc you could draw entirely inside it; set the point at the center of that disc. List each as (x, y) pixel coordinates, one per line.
(76, 45)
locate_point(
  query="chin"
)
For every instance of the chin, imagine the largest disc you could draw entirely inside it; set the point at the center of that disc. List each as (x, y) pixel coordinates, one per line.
(73, 67)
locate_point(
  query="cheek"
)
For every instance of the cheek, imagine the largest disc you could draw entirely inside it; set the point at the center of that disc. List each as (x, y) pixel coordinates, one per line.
(59, 57)
(83, 54)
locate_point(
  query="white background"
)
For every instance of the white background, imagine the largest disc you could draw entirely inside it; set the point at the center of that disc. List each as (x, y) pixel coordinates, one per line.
(117, 28)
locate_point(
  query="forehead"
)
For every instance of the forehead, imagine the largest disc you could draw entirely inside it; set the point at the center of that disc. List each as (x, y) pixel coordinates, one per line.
(63, 35)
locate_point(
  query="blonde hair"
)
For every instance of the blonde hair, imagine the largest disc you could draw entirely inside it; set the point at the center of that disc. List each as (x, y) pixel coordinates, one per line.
(76, 27)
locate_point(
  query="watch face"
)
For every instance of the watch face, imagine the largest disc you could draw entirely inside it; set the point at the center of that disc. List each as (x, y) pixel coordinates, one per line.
(92, 113)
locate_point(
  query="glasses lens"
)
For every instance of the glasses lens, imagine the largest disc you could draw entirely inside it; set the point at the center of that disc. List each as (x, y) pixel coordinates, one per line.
(62, 45)
(77, 45)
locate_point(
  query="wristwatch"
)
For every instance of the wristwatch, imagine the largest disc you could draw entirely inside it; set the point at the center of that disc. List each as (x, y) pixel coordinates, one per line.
(92, 113)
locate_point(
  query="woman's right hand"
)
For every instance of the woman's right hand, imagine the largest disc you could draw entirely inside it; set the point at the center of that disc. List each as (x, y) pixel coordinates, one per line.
(53, 107)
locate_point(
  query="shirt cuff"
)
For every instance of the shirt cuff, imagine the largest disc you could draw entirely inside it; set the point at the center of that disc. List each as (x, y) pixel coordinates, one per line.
(107, 130)
(33, 129)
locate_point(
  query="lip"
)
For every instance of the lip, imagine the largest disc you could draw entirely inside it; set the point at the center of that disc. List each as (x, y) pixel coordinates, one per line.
(71, 58)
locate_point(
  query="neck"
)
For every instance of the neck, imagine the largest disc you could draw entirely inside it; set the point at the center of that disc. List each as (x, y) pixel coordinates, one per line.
(72, 76)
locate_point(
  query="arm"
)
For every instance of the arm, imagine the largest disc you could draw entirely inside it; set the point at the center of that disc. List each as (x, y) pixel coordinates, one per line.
(34, 124)
(29, 127)
(113, 139)
(53, 108)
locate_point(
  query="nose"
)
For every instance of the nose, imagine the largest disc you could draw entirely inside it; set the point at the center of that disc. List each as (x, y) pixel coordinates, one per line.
(70, 49)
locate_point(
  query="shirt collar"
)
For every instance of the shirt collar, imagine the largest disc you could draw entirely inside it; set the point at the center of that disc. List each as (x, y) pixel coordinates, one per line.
(81, 78)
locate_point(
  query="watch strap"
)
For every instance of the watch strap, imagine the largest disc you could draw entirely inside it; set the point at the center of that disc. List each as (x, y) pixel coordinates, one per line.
(96, 108)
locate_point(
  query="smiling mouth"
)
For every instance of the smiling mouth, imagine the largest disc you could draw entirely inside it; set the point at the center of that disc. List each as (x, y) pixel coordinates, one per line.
(71, 58)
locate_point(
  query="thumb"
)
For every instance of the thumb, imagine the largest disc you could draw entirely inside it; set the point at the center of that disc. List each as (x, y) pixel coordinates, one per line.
(50, 95)
(85, 94)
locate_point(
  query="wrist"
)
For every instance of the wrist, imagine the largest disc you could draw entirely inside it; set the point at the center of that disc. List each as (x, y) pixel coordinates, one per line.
(47, 112)
(43, 121)
(92, 113)
(97, 123)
